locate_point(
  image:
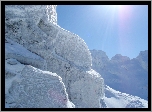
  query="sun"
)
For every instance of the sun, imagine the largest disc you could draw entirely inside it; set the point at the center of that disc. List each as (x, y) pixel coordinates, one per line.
(116, 6)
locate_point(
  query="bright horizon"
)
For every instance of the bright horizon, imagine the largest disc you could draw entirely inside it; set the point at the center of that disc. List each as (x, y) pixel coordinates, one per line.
(114, 29)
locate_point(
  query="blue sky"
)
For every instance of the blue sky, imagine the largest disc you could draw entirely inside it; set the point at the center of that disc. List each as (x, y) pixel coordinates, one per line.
(114, 29)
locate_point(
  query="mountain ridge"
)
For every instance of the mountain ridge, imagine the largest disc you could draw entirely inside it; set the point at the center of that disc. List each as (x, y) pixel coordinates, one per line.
(103, 52)
(122, 72)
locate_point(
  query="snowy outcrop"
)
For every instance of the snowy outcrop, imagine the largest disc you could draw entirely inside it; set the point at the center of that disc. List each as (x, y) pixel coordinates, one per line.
(47, 46)
(29, 87)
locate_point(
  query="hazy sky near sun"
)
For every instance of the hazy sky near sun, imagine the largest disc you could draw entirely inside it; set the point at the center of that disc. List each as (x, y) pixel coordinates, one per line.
(111, 28)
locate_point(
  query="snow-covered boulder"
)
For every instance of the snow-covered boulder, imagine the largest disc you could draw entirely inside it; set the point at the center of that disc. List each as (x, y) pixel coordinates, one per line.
(29, 87)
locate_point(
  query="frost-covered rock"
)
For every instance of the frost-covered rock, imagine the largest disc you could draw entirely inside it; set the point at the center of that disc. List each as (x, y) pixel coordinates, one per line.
(87, 91)
(18, 52)
(65, 53)
(29, 87)
(41, 36)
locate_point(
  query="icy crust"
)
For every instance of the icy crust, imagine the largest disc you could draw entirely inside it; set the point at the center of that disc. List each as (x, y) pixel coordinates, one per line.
(34, 88)
(20, 53)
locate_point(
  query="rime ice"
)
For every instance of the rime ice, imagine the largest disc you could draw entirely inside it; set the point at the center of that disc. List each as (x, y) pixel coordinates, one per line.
(35, 42)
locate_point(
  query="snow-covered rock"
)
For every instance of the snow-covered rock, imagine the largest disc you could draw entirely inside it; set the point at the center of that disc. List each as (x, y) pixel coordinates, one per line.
(29, 87)
(86, 90)
(37, 42)
(41, 36)
(24, 56)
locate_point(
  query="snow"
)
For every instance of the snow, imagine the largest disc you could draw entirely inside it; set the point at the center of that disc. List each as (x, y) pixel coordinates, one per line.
(70, 104)
(16, 68)
(13, 47)
(11, 71)
(116, 99)
(17, 51)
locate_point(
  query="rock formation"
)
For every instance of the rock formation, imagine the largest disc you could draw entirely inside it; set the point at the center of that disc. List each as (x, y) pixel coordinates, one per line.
(40, 46)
